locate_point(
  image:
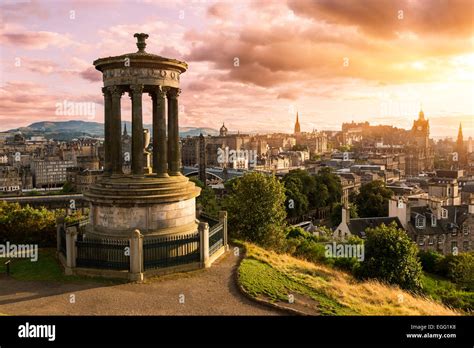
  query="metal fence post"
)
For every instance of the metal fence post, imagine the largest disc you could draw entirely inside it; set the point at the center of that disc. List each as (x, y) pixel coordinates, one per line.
(203, 228)
(136, 256)
(223, 220)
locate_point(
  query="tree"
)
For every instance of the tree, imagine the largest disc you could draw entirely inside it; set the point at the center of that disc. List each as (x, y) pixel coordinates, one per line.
(372, 200)
(391, 256)
(333, 184)
(296, 202)
(207, 199)
(256, 209)
(67, 187)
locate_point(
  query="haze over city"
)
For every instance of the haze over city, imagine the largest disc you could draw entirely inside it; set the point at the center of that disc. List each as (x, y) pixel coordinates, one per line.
(251, 65)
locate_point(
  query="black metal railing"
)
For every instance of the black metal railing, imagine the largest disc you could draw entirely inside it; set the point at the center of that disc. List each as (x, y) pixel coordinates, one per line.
(216, 238)
(62, 241)
(103, 253)
(211, 220)
(171, 251)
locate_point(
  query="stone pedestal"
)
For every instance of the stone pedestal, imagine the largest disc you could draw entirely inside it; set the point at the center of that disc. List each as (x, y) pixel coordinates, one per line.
(156, 206)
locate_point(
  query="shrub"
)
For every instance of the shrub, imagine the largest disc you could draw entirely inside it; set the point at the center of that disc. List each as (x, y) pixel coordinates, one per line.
(430, 260)
(391, 256)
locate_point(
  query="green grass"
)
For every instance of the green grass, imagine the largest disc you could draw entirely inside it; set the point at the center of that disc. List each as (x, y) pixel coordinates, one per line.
(443, 290)
(323, 290)
(261, 279)
(46, 268)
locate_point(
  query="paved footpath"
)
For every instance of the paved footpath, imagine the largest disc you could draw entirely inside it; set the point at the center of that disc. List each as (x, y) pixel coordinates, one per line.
(206, 292)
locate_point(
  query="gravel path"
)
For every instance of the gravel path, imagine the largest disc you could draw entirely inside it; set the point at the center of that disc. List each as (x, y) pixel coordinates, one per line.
(205, 292)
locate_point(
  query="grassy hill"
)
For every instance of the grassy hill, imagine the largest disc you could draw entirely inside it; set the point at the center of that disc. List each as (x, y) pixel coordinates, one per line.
(320, 290)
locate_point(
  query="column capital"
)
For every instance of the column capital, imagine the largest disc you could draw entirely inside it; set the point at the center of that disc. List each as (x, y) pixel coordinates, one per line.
(135, 90)
(159, 91)
(173, 93)
(105, 91)
(115, 91)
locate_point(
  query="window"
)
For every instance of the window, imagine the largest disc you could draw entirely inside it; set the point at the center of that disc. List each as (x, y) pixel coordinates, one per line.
(444, 213)
(454, 247)
(433, 220)
(420, 221)
(465, 229)
(465, 245)
(430, 240)
(421, 240)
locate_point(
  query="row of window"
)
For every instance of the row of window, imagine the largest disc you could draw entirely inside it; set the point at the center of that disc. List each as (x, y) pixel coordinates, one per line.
(432, 240)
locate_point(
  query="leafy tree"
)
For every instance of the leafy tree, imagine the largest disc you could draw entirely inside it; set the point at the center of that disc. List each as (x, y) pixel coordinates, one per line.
(391, 256)
(332, 183)
(296, 201)
(207, 199)
(336, 215)
(256, 209)
(319, 195)
(67, 187)
(372, 200)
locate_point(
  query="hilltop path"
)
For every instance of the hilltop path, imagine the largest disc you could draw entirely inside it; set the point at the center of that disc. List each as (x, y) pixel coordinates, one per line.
(206, 292)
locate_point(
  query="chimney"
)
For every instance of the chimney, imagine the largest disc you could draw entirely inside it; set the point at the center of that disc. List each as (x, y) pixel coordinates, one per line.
(346, 214)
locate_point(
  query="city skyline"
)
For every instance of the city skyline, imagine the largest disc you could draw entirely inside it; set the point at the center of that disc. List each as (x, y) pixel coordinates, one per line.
(333, 62)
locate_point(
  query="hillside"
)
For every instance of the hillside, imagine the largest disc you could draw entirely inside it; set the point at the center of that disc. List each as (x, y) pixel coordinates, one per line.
(321, 290)
(67, 130)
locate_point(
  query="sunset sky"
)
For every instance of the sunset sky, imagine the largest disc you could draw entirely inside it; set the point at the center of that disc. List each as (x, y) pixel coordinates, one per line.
(332, 60)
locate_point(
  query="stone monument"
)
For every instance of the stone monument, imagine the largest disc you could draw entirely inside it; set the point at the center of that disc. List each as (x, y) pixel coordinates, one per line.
(160, 203)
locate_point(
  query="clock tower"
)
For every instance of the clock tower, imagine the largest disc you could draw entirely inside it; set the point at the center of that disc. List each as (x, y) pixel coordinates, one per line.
(418, 152)
(421, 131)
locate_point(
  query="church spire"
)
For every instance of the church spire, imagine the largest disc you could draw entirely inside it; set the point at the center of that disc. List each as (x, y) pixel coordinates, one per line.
(297, 124)
(125, 130)
(460, 140)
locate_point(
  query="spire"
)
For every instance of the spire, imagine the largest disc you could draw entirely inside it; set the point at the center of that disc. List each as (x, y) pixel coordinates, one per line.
(460, 136)
(125, 130)
(297, 124)
(421, 115)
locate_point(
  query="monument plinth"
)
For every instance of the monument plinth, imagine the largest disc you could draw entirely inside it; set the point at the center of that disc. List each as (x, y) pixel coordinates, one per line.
(160, 203)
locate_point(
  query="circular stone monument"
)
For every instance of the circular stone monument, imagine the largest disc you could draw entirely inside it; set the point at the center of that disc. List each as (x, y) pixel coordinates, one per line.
(160, 203)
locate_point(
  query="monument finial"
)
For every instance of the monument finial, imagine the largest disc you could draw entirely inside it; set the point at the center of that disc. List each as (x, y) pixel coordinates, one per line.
(141, 44)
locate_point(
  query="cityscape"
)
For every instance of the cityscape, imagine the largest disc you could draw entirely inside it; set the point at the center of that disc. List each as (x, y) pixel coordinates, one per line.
(179, 158)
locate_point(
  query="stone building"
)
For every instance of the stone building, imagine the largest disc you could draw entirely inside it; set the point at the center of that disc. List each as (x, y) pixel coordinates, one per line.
(434, 225)
(50, 172)
(10, 179)
(419, 152)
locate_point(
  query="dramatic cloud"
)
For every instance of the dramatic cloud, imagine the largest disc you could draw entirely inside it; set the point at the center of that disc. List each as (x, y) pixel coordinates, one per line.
(252, 64)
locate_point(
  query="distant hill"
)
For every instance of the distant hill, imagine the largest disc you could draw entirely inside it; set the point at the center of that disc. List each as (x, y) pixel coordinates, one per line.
(67, 130)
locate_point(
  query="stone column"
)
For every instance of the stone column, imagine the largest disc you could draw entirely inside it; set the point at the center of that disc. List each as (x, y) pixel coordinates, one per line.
(160, 148)
(173, 132)
(203, 229)
(71, 249)
(107, 131)
(116, 131)
(223, 220)
(136, 256)
(137, 129)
